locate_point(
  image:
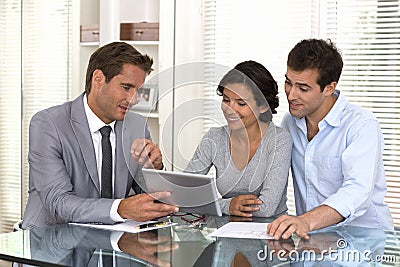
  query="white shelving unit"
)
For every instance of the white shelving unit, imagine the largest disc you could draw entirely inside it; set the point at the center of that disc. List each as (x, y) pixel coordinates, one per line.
(165, 53)
(108, 15)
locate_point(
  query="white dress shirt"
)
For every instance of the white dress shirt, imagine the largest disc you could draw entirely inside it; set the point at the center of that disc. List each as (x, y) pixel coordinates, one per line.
(94, 125)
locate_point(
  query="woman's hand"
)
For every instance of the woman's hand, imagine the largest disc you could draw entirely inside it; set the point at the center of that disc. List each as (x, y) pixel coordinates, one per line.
(244, 205)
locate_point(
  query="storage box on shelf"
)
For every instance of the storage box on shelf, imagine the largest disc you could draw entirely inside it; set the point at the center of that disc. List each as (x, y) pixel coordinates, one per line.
(90, 33)
(143, 31)
(104, 21)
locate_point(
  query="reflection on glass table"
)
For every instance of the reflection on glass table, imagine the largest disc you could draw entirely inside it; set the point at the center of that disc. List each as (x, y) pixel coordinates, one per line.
(189, 244)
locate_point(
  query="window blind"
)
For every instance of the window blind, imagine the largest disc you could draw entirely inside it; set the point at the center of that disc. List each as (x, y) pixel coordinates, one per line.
(216, 26)
(10, 113)
(264, 33)
(367, 32)
(35, 73)
(46, 59)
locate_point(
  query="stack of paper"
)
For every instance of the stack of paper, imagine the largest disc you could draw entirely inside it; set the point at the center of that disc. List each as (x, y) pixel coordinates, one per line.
(129, 226)
(251, 230)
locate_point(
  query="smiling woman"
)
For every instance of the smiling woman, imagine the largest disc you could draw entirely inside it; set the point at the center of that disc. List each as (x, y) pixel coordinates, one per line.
(250, 154)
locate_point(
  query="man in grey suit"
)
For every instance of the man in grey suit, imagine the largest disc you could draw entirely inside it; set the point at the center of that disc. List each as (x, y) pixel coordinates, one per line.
(65, 148)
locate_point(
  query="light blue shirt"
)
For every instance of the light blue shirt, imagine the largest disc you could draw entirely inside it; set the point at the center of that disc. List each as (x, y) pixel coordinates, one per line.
(342, 166)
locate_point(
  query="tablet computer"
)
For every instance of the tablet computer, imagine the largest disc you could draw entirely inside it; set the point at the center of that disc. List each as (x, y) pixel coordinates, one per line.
(195, 193)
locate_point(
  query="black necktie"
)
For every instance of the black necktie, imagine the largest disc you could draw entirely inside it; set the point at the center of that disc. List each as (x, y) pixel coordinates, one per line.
(106, 163)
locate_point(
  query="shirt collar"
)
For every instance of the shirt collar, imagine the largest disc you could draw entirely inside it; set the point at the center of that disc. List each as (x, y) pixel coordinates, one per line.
(94, 122)
(334, 116)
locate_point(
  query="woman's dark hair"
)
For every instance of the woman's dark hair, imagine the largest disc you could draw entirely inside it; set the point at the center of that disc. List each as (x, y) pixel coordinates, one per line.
(111, 58)
(320, 55)
(256, 77)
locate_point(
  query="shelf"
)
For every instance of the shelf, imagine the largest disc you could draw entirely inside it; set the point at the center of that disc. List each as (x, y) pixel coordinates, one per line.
(89, 43)
(142, 42)
(145, 43)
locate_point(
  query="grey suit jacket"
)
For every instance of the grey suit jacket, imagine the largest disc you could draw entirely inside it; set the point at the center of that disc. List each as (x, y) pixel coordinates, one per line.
(63, 179)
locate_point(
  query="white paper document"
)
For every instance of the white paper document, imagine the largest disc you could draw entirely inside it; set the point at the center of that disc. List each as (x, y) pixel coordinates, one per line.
(129, 226)
(251, 230)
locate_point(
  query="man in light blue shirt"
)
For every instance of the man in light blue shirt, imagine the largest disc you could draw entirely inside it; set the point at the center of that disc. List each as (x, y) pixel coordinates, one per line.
(337, 164)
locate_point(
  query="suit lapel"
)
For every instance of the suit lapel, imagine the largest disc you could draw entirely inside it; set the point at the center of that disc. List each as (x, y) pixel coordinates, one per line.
(80, 126)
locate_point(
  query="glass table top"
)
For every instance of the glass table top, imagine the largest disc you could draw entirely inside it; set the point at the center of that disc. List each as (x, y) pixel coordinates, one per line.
(188, 243)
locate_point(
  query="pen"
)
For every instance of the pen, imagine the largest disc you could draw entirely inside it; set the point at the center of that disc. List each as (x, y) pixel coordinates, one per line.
(148, 225)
